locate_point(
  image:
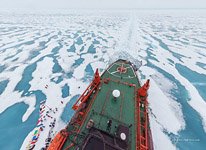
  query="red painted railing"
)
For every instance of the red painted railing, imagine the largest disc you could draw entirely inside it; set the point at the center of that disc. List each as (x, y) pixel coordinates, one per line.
(142, 118)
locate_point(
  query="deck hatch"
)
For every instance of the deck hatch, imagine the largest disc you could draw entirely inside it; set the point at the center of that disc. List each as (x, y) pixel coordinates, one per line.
(101, 140)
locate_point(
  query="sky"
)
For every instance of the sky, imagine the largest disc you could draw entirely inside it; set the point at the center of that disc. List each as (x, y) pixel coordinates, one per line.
(58, 4)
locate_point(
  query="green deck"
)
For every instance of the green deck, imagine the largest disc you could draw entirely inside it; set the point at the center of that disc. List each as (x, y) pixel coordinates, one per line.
(104, 107)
